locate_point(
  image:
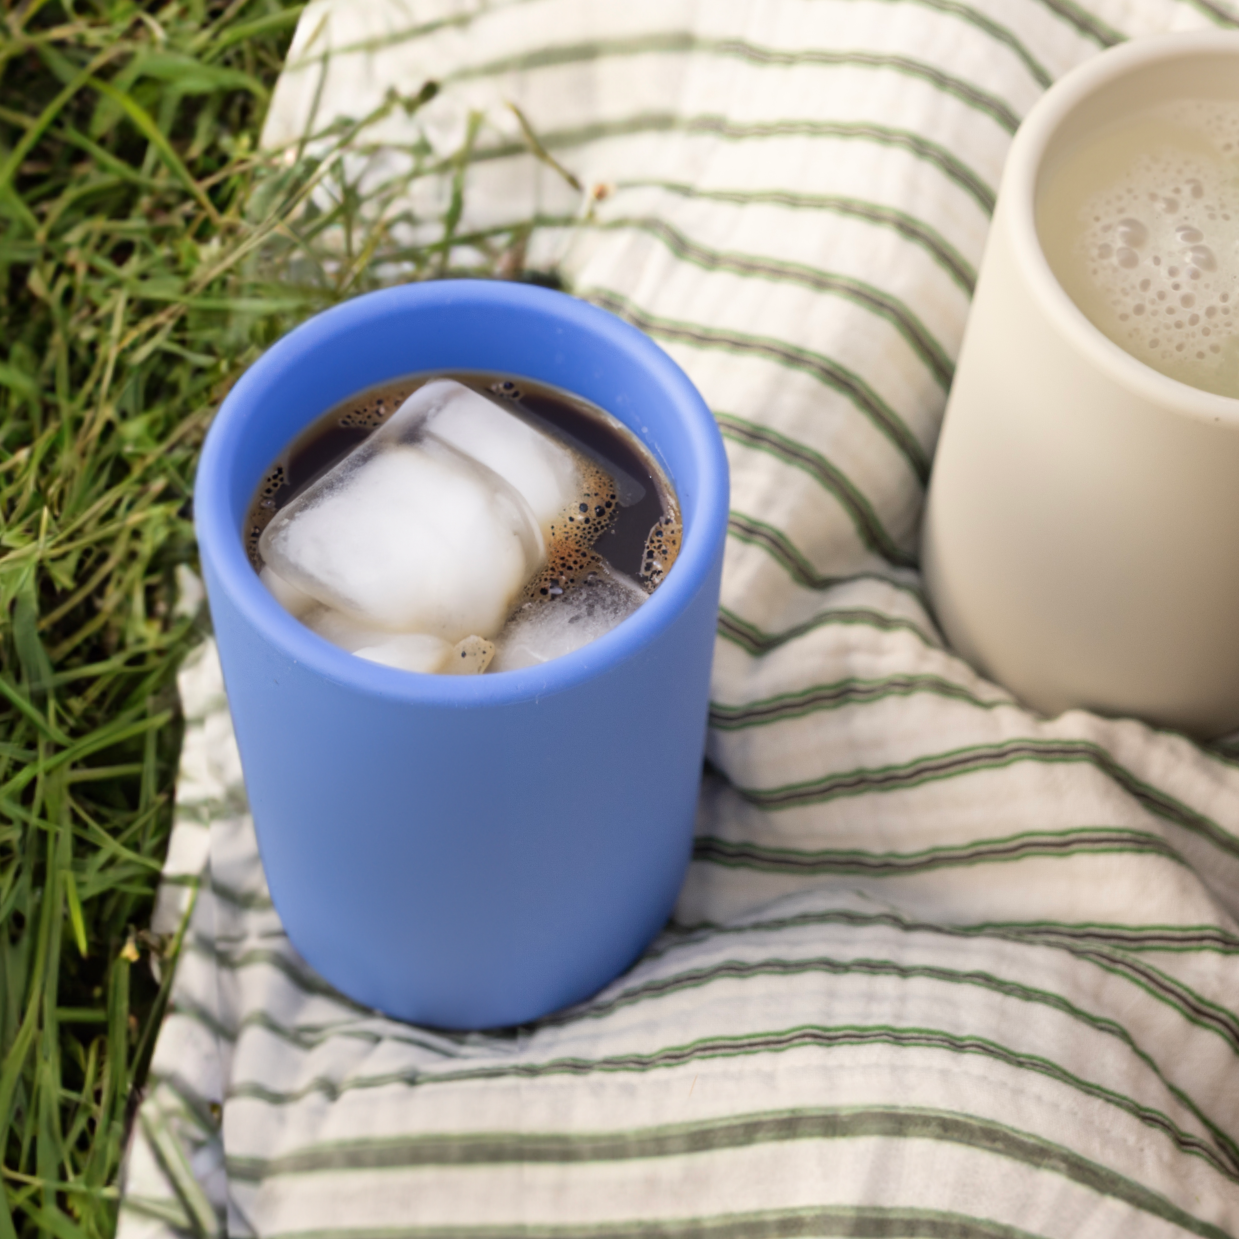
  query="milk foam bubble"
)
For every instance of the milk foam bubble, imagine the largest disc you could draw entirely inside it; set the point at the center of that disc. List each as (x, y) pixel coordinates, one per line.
(1141, 227)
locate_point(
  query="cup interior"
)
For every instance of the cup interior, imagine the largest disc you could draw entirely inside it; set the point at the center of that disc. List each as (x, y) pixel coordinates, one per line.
(1080, 111)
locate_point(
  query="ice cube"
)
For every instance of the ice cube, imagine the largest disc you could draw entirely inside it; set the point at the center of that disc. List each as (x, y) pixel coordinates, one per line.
(295, 601)
(409, 651)
(541, 469)
(343, 630)
(412, 651)
(469, 657)
(546, 629)
(409, 538)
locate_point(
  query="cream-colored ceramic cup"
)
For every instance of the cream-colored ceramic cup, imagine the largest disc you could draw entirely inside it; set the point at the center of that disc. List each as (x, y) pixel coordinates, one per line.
(1081, 536)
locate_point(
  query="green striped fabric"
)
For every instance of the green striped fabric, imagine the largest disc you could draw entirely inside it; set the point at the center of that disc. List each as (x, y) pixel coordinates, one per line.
(941, 967)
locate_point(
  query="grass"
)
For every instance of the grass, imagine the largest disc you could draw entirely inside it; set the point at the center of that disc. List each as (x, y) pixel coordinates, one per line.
(148, 253)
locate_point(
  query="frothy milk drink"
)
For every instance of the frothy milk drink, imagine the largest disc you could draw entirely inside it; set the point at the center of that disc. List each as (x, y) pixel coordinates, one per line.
(461, 527)
(1140, 225)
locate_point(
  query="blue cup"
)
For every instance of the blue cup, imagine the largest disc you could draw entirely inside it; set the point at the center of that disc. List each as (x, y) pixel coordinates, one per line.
(468, 851)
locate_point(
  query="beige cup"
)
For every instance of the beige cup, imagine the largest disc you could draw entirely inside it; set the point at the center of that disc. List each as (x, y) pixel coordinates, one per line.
(1081, 535)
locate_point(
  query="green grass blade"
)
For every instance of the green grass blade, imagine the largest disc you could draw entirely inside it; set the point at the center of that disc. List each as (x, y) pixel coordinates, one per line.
(49, 114)
(142, 120)
(75, 912)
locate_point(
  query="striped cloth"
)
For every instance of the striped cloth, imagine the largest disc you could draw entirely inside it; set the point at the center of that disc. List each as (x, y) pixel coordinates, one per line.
(941, 967)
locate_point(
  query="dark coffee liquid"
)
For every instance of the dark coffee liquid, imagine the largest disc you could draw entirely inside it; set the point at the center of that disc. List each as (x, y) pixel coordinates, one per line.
(637, 519)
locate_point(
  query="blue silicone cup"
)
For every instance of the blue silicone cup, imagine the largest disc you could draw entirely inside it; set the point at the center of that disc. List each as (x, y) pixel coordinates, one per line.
(468, 851)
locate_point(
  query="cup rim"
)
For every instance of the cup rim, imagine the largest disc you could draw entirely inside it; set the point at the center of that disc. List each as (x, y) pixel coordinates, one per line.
(1017, 198)
(222, 545)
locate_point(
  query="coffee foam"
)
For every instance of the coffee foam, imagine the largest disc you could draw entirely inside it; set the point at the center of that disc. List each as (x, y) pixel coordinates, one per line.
(1161, 248)
(371, 414)
(263, 511)
(661, 549)
(570, 537)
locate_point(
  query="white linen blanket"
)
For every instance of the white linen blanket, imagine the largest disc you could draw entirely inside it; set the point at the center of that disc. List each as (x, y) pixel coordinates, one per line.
(941, 967)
